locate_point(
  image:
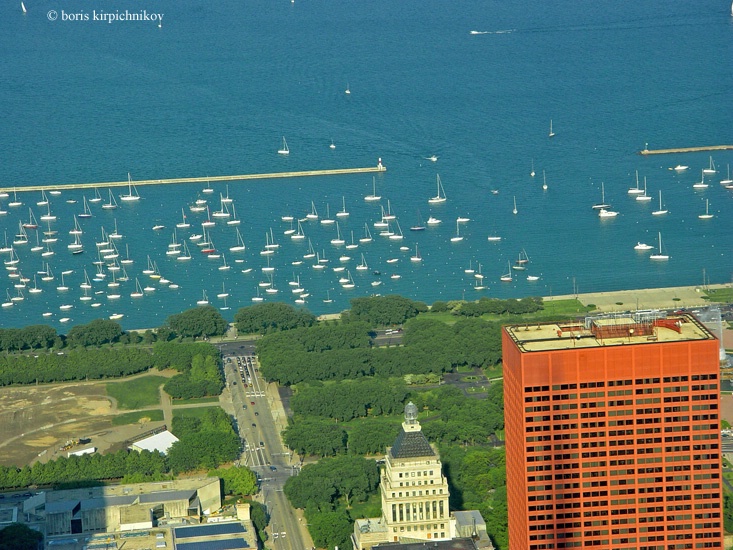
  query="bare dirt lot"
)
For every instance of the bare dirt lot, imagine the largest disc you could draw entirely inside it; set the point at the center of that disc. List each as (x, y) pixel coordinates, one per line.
(36, 421)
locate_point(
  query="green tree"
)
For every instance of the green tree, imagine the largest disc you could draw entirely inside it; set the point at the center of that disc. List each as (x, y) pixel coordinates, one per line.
(260, 519)
(237, 480)
(271, 317)
(318, 438)
(198, 322)
(18, 536)
(96, 333)
(330, 529)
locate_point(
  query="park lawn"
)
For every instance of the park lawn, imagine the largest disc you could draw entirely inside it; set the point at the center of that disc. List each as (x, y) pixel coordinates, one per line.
(719, 295)
(155, 415)
(196, 412)
(138, 393)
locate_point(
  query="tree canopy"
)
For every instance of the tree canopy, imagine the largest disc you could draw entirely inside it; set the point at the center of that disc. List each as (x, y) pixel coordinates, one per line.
(379, 311)
(18, 536)
(271, 317)
(202, 321)
(95, 333)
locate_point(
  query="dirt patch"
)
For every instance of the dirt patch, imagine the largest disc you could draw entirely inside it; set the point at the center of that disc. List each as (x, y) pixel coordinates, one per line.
(36, 421)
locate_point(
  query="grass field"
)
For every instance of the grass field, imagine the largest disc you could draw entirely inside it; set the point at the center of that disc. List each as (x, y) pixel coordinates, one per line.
(197, 412)
(719, 295)
(137, 393)
(155, 415)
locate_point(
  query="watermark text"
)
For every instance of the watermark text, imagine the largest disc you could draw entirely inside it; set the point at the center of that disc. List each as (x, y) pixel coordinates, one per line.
(109, 17)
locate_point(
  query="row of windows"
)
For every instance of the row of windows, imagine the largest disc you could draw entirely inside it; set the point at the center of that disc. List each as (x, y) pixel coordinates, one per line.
(627, 382)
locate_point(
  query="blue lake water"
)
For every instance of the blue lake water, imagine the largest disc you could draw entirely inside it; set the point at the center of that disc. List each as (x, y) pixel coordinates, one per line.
(216, 87)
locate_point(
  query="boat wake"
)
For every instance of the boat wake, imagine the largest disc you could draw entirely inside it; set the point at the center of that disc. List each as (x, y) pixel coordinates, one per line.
(506, 31)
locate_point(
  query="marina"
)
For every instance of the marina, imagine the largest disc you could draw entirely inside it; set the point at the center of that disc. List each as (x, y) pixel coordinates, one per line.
(474, 177)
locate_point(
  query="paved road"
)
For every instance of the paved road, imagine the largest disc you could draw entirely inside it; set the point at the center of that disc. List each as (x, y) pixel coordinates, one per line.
(260, 420)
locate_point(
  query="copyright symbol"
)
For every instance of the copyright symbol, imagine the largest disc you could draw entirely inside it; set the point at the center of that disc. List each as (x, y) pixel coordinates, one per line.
(52, 15)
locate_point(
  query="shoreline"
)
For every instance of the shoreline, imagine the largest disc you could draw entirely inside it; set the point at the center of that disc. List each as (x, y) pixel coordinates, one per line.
(624, 300)
(676, 297)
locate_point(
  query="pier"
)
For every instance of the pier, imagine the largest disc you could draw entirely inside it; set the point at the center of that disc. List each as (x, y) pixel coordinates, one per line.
(647, 151)
(170, 181)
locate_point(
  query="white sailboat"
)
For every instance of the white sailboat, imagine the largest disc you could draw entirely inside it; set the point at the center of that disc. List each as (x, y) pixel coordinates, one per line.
(643, 197)
(352, 245)
(185, 253)
(299, 234)
(62, 287)
(727, 180)
(373, 197)
(338, 240)
(458, 237)
(367, 238)
(363, 265)
(131, 191)
(44, 199)
(602, 204)
(700, 184)
(223, 293)
(15, 202)
(416, 258)
(659, 255)
(551, 134)
(635, 190)
(349, 284)
(514, 211)
(111, 204)
(707, 215)
(204, 301)
(313, 214)
(343, 212)
(532, 171)
(284, 149)
(86, 211)
(22, 7)
(97, 197)
(328, 220)
(397, 235)
(440, 197)
(239, 247)
(257, 297)
(234, 220)
(507, 277)
(544, 181)
(661, 210)
(711, 167)
(183, 224)
(138, 290)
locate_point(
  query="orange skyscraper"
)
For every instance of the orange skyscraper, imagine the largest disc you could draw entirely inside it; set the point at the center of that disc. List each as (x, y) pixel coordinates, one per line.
(613, 433)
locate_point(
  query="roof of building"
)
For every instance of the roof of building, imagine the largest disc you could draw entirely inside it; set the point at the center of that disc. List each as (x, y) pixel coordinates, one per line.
(161, 442)
(640, 327)
(411, 445)
(453, 544)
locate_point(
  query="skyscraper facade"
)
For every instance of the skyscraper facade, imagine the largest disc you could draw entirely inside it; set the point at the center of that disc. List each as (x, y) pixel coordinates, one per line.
(613, 433)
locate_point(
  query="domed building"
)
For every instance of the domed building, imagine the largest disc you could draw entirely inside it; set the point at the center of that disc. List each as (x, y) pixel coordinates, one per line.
(414, 496)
